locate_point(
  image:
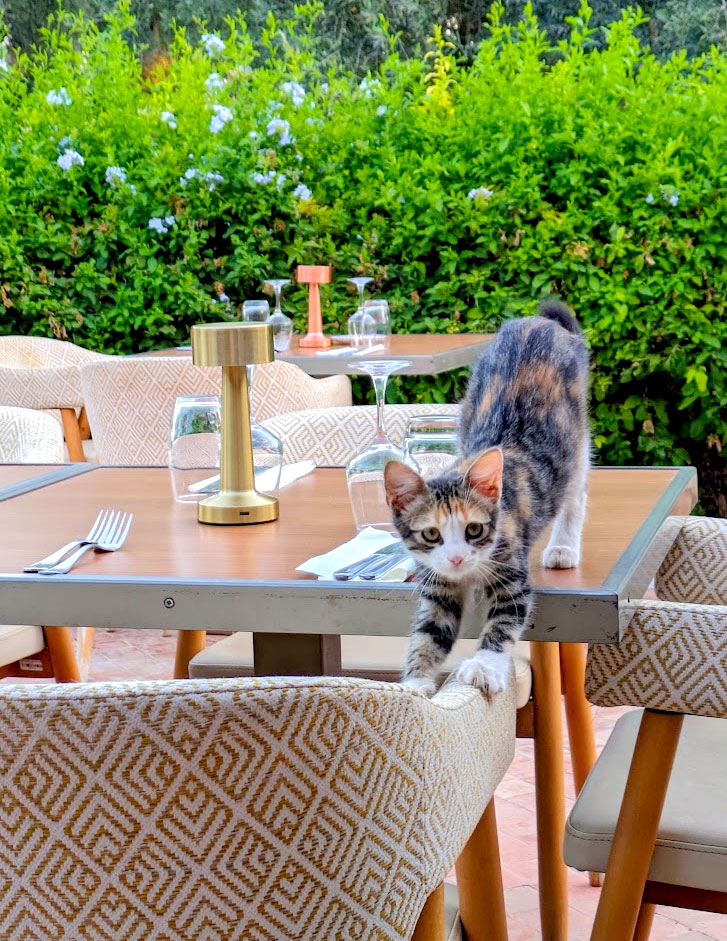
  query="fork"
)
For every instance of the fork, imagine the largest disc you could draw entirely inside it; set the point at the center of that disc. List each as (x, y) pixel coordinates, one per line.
(92, 536)
(112, 538)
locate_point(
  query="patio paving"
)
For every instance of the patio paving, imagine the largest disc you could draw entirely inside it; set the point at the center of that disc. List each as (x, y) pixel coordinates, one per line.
(122, 655)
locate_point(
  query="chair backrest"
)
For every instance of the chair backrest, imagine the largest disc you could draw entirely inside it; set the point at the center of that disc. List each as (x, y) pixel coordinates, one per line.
(332, 436)
(29, 437)
(130, 400)
(303, 809)
(37, 372)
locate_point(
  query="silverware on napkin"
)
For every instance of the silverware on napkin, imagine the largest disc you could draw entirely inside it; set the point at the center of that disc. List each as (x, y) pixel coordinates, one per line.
(377, 563)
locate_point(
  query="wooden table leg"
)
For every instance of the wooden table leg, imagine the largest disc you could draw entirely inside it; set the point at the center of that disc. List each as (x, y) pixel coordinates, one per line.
(72, 434)
(430, 926)
(189, 644)
(59, 641)
(549, 790)
(479, 883)
(297, 654)
(638, 823)
(579, 718)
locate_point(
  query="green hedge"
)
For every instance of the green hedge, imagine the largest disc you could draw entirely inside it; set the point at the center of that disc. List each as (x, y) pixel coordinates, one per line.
(467, 192)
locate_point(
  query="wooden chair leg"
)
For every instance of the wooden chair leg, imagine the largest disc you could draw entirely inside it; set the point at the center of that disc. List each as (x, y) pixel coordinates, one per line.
(430, 926)
(59, 641)
(84, 425)
(549, 790)
(84, 650)
(72, 434)
(578, 718)
(638, 823)
(479, 883)
(644, 921)
(189, 643)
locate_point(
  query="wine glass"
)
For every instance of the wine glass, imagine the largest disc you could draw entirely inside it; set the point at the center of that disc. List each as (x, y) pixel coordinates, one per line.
(194, 446)
(282, 325)
(360, 284)
(361, 328)
(430, 444)
(365, 471)
(378, 308)
(255, 311)
(267, 448)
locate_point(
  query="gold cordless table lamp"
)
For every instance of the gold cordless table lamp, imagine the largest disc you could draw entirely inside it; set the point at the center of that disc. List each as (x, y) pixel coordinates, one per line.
(314, 276)
(235, 346)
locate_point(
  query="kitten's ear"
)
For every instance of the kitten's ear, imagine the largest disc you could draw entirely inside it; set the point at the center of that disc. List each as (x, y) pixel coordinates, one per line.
(485, 474)
(403, 485)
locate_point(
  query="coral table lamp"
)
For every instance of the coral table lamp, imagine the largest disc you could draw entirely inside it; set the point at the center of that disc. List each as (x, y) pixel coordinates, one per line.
(313, 276)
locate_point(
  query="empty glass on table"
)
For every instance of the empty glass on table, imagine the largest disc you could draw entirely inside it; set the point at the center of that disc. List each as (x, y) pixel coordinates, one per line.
(194, 446)
(430, 444)
(378, 308)
(365, 471)
(256, 311)
(281, 324)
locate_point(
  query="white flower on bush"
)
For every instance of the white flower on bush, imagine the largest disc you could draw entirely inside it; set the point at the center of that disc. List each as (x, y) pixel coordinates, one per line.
(482, 192)
(296, 92)
(262, 179)
(669, 195)
(162, 226)
(212, 43)
(169, 118)
(282, 128)
(368, 86)
(60, 97)
(280, 179)
(650, 198)
(4, 67)
(189, 174)
(214, 82)
(115, 176)
(70, 158)
(64, 142)
(221, 116)
(381, 111)
(253, 135)
(302, 192)
(213, 179)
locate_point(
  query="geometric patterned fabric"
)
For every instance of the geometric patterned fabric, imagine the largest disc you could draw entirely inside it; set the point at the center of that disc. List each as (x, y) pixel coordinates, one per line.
(331, 437)
(308, 809)
(130, 401)
(673, 655)
(29, 437)
(41, 373)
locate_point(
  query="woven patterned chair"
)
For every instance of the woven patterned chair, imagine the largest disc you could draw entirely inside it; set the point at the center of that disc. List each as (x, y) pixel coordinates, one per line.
(27, 437)
(130, 400)
(653, 812)
(331, 437)
(296, 809)
(40, 373)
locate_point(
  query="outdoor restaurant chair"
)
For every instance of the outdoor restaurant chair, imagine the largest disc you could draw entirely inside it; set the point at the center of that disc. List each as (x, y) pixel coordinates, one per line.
(653, 812)
(331, 437)
(41, 373)
(28, 437)
(290, 808)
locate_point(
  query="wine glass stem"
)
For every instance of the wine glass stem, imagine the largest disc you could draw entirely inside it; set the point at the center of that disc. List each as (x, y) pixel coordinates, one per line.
(278, 308)
(380, 392)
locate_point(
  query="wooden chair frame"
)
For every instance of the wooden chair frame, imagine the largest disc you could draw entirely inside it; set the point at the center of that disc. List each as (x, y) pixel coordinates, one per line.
(57, 659)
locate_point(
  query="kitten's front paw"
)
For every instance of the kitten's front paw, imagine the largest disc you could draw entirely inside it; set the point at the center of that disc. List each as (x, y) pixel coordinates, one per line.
(488, 670)
(422, 684)
(560, 557)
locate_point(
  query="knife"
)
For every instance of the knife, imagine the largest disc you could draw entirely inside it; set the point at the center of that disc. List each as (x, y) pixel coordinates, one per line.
(353, 568)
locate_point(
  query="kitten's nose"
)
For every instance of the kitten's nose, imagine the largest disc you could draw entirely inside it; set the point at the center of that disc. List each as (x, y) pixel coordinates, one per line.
(456, 559)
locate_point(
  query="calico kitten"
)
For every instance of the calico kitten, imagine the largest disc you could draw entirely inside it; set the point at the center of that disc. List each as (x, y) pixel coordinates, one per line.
(524, 458)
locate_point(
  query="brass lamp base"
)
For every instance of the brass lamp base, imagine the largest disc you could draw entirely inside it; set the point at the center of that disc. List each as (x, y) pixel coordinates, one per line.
(235, 507)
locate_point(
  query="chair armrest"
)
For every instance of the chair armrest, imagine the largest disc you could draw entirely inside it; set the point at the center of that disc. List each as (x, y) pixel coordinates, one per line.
(672, 657)
(695, 568)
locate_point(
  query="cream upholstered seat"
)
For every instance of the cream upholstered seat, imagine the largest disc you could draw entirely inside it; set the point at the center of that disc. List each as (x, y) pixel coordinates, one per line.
(130, 400)
(672, 661)
(41, 373)
(26, 437)
(294, 808)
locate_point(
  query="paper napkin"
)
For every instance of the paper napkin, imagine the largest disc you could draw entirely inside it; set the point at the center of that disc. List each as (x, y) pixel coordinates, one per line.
(363, 544)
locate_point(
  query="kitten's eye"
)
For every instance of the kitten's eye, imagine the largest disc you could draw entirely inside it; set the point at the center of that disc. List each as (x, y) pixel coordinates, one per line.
(430, 534)
(474, 530)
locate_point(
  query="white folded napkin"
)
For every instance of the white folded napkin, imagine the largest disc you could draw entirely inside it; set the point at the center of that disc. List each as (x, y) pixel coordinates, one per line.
(265, 480)
(363, 544)
(352, 350)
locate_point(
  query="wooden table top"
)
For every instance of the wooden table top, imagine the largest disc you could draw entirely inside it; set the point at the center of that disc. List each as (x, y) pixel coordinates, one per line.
(166, 540)
(13, 473)
(428, 353)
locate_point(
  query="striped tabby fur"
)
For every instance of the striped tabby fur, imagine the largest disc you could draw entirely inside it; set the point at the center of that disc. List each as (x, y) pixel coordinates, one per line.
(524, 457)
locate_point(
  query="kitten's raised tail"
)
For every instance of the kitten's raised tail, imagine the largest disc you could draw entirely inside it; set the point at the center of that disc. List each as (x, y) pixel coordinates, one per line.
(553, 309)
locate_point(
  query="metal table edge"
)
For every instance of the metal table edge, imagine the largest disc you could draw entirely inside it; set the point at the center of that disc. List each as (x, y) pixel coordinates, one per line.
(45, 479)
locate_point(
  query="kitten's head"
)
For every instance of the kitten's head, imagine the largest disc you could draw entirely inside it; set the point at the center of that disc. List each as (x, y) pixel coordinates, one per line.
(449, 523)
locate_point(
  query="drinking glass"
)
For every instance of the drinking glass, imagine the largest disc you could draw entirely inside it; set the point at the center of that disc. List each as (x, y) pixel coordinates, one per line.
(361, 328)
(360, 284)
(267, 449)
(194, 445)
(365, 471)
(282, 325)
(256, 311)
(430, 444)
(378, 308)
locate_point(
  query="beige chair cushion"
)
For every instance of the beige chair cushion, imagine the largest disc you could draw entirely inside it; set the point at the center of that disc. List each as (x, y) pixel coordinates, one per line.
(29, 437)
(691, 848)
(18, 641)
(41, 373)
(375, 657)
